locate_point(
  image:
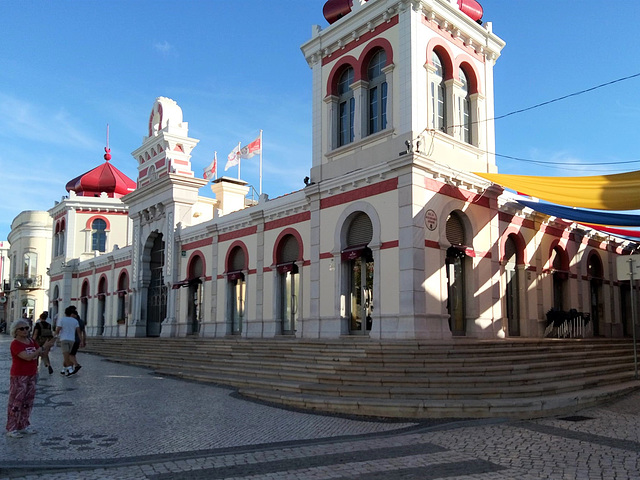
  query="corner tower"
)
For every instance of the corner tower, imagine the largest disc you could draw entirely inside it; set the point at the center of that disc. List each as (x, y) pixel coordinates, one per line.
(413, 76)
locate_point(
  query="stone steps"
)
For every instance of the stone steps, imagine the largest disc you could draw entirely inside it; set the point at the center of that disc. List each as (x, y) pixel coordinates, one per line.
(425, 379)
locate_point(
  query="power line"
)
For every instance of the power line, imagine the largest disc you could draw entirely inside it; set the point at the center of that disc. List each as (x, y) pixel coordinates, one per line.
(542, 162)
(575, 94)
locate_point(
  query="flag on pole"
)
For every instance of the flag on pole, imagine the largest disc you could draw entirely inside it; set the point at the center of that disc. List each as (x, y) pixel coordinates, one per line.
(233, 158)
(212, 168)
(252, 149)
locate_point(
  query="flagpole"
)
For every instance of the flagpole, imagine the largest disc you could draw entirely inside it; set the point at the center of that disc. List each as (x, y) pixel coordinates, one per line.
(215, 169)
(261, 148)
(239, 160)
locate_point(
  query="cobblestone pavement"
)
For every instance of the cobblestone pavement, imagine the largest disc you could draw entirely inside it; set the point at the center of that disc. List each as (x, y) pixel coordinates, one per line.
(113, 421)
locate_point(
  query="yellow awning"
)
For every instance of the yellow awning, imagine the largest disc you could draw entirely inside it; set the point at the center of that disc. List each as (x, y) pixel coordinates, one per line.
(620, 191)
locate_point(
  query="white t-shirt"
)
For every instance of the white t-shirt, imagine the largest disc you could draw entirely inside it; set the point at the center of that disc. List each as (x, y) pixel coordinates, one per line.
(68, 327)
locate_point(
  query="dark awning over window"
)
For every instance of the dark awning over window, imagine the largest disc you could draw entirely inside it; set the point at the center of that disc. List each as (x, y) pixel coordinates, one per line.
(185, 283)
(235, 276)
(354, 252)
(286, 267)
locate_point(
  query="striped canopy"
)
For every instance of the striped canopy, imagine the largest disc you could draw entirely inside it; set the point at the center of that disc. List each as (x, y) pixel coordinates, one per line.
(601, 192)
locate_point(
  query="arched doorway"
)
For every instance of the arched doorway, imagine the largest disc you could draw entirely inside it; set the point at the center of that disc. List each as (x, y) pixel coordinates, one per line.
(194, 309)
(560, 269)
(55, 306)
(456, 274)
(357, 260)
(123, 290)
(236, 289)
(157, 295)
(288, 283)
(595, 274)
(102, 294)
(625, 308)
(512, 287)
(84, 302)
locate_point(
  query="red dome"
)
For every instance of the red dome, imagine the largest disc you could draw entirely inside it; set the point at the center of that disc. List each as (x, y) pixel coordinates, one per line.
(334, 10)
(104, 178)
(471, 8)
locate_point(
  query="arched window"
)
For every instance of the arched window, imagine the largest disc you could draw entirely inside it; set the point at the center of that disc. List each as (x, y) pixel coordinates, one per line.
(98, 235)
(377, 120)
(62, 239)
(438, 95)
(464, 108)
(30, 265)
(346, 108)
(359, 269)
(56, 241)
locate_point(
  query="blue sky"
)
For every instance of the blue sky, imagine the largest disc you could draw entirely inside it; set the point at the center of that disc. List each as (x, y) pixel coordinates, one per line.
(69, 68)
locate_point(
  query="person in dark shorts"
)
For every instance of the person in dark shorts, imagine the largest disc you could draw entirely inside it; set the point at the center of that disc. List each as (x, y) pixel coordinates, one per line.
(43, 332)
(81, 341)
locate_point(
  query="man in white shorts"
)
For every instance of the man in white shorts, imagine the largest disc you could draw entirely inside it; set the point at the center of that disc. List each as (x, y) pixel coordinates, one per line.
(66, 329)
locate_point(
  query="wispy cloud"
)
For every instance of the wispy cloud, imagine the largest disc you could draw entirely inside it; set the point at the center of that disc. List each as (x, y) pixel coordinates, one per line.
(165, 48)
(21, 119)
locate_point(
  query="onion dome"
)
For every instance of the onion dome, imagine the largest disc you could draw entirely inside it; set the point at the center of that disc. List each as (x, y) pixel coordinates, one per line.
(104, 178)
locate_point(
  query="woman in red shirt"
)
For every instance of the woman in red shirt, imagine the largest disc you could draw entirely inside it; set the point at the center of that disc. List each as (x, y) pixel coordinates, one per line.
(22, 384)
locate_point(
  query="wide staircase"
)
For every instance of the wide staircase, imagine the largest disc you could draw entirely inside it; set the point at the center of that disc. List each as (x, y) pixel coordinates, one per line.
(402, 379)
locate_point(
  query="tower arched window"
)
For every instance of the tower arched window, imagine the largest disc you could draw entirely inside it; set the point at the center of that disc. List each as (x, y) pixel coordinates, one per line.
(98, 235)
(464, 107)
(346, 108)
(56, 241)
(438, 95)
(377, 120)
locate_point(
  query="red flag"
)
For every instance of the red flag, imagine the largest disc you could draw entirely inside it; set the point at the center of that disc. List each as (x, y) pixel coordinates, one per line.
(252, 149)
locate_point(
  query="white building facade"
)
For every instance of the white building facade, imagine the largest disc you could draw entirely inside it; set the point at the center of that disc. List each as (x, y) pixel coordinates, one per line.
(393, 236)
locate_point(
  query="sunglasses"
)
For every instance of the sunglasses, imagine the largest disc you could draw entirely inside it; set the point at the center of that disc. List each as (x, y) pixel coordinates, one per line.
(22, 328)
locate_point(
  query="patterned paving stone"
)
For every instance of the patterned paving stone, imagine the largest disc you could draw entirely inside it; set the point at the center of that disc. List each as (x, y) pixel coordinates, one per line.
(114, 421)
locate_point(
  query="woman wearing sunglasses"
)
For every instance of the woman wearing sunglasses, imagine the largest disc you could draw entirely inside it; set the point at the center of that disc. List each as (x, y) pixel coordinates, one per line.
(22, 384)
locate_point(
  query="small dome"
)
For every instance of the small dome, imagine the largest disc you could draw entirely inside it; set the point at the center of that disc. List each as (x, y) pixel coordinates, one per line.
(104, 178)
(334, 10)
(471, 8)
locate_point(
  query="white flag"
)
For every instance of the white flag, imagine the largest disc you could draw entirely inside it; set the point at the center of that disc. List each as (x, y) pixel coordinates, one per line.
(233, 158)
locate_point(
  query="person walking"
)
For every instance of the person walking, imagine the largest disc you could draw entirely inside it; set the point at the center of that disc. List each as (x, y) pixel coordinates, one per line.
(67, 330)
(80, 342)
(42, 331)
(23, 376)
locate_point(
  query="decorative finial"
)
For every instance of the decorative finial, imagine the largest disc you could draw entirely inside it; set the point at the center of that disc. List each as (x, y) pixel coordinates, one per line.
(107, 150)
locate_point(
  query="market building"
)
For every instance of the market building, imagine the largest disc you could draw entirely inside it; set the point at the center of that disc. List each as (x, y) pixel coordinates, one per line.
(392, 237)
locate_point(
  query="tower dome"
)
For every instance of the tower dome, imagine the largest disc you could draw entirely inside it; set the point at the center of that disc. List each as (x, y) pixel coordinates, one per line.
(334, 10)
(104, 178)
